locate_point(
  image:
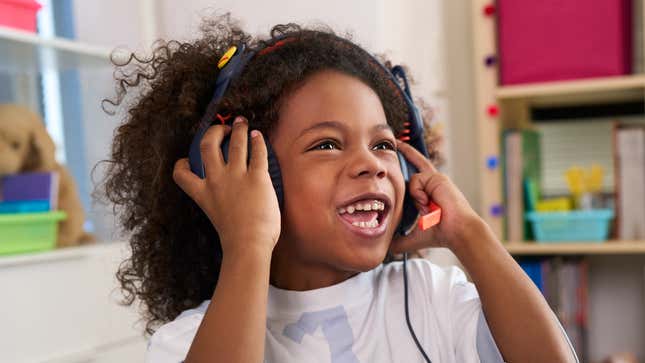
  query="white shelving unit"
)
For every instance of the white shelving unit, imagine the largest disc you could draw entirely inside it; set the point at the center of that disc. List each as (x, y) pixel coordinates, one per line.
(19, 52)
(62, 305)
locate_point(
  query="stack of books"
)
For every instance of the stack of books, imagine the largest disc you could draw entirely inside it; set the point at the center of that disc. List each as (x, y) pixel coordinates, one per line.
(29, 192)
(564, 284)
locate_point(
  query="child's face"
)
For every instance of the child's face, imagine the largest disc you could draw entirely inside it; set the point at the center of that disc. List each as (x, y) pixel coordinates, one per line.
(334, 144)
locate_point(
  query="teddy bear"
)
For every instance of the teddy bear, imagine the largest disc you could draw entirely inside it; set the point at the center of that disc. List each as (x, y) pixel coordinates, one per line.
(25, 146)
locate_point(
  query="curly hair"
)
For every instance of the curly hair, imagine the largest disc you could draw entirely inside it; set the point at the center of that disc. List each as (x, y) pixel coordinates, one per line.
(175, 251)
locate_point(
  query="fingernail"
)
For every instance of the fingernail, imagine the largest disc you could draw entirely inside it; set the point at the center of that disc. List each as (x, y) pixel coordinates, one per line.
(255, 133)
(238, 119)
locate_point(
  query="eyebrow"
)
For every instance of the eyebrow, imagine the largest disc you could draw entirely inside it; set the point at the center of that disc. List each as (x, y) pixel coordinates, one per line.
(341, 126)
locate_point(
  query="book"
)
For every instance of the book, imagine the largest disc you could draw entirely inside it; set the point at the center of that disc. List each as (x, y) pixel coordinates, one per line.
(533, 268)
(37, 186)
(630, 182)
(522, 173)
(24, 206)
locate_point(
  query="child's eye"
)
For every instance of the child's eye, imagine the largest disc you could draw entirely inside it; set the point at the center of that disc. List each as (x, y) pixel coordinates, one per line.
(326, 145)
(387, 144)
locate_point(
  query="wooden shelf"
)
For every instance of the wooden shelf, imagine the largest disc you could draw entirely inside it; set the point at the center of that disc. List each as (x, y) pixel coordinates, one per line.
(577, 248)
(576, 91)
(22, 51)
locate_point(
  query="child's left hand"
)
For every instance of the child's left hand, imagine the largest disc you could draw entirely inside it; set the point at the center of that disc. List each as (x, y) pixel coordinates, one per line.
(457, 216)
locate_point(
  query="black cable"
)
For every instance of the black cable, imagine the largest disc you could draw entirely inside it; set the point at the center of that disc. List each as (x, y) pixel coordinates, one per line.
(407, 314)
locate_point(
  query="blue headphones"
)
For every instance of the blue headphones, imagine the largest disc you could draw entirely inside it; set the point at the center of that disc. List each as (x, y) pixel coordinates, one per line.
(231, 66)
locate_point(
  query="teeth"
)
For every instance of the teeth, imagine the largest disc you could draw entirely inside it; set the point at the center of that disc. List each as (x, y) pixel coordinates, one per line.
(369, 206)
(370, 224)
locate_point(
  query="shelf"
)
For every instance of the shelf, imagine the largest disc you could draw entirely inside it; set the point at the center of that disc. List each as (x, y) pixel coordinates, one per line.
(617, 88)
(59, 254)
(577, 248)
(22, 51)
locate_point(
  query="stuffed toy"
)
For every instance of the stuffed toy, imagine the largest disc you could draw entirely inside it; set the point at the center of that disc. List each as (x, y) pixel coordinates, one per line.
(25, 146)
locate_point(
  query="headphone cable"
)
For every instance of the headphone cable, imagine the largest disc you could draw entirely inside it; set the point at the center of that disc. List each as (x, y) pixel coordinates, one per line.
(407, 313)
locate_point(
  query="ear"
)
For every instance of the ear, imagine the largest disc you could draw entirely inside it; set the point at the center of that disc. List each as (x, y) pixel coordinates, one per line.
(41, 152)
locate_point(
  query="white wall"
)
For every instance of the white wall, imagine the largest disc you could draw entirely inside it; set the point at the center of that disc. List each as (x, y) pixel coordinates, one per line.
(365, 17)
(110, 23)
(459, 91)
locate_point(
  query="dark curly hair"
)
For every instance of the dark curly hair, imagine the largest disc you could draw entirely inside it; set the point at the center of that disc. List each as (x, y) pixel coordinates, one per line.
(174, 263)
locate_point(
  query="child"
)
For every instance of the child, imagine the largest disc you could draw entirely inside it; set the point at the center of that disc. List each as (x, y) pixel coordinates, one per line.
(234, 278)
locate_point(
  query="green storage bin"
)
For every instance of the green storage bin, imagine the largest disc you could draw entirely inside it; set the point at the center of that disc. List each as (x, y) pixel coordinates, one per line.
(29, 232)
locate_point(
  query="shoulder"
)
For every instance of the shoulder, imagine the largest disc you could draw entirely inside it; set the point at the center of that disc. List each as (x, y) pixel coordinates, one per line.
(171, 342)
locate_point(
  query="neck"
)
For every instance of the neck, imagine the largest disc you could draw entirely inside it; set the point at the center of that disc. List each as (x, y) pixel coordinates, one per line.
(291, 272)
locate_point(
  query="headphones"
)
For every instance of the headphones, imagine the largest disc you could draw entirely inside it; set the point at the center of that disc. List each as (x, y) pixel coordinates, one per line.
(231, 65)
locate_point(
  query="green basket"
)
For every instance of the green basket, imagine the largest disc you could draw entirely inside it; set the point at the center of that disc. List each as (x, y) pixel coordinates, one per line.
(29, 232)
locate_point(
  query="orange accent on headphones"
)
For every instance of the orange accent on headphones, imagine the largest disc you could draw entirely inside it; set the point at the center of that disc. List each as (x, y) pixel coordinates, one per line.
(275, 46)
(223, 118)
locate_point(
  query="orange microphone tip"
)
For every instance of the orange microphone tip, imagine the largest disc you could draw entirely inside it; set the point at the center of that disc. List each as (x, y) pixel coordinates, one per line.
(430, 219)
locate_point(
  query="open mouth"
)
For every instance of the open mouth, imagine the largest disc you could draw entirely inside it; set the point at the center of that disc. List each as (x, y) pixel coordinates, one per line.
(366, 217)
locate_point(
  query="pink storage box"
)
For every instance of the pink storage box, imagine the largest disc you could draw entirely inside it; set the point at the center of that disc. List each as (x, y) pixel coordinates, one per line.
(19, 14)
(550, 40)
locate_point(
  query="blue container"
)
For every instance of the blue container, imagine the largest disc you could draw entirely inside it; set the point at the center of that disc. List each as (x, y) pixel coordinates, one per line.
(572, 226)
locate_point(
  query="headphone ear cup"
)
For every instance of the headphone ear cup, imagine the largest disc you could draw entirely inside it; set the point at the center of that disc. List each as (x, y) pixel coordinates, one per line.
(410, 212)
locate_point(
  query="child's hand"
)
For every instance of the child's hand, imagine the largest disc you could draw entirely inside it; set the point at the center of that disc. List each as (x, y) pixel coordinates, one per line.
(456, 214)
(238, 199)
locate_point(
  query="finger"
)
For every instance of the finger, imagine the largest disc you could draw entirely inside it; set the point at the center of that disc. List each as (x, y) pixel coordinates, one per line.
(190, 183)
(211, 149)
(259, 159)
(422, 208)
(417, 187)
(414, 156)
(422, 186)
(238, 148)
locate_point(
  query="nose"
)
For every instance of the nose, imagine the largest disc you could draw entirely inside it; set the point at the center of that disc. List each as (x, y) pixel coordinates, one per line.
(365, 163)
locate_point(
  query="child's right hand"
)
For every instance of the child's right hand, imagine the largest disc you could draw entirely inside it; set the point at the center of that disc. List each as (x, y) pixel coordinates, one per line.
(239, 200)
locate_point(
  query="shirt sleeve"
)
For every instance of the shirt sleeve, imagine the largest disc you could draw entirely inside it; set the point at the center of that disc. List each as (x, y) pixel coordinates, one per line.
(171, 342)
(473, 339)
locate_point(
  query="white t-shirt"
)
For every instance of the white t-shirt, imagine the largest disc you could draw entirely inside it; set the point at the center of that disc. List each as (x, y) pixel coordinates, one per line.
(361, 320)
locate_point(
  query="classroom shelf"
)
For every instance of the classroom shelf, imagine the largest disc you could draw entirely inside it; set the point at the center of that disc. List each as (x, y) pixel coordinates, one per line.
(617, 88)
(577, 248)
(22, 51)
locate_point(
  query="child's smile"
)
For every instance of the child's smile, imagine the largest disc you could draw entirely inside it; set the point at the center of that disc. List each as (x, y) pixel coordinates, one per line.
(366, 214)
(342, 181)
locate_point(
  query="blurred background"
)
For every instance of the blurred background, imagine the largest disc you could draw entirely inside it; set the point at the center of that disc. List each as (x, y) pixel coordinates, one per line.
(539, 108)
